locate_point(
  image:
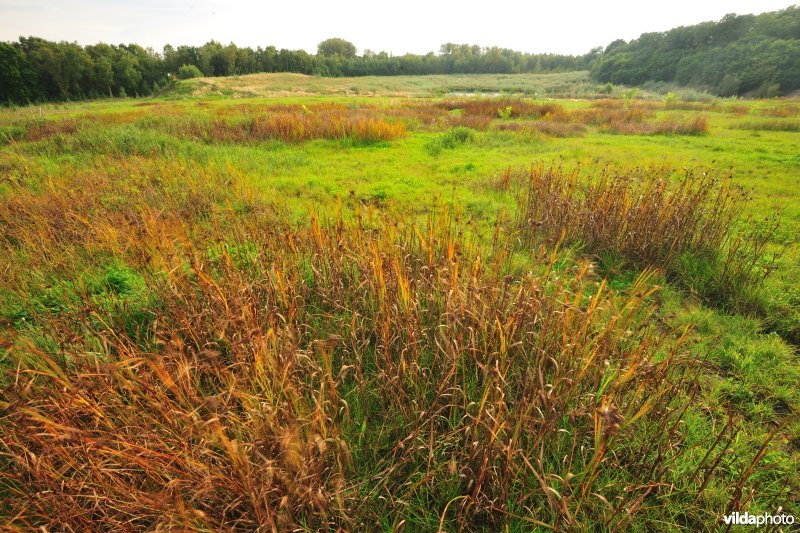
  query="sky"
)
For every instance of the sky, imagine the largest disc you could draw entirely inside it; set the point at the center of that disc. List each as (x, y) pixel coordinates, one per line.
(398, 27)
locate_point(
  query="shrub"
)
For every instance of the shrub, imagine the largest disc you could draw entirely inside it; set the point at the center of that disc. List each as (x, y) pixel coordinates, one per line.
(186, 72)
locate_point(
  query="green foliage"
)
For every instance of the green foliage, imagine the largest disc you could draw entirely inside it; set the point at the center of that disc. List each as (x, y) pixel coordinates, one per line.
(336, 47)
(748, 54)
(186, 72)
(35, 69)
(505, 114)
(451, 139)
(671, 99)
(17, 79)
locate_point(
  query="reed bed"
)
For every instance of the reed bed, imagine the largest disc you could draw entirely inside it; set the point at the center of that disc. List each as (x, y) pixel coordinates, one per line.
(782, 111)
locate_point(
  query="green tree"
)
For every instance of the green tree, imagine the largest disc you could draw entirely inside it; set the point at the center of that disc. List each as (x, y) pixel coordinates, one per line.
(18, 81)
(336, 47)
(186, 72)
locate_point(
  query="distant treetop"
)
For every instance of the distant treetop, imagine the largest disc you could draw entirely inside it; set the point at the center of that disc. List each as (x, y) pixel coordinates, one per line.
(336, 47)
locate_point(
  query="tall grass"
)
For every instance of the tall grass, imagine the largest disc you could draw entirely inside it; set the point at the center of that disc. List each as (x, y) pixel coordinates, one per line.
(295, 127)
(489, 107)
(648, 218)
(176, 355)
(339, 375)
(697, 125)
(770, 125)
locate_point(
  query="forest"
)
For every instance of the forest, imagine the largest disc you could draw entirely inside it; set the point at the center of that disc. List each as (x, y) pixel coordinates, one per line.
(754, 55)
(35, 69)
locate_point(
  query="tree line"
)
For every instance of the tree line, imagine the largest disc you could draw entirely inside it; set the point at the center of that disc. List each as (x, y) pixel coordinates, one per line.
(756, 55)
(34, 69)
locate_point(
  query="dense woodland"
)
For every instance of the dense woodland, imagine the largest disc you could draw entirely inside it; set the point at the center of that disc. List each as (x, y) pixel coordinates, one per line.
(35, 69)
(739, 55)
(754, 55)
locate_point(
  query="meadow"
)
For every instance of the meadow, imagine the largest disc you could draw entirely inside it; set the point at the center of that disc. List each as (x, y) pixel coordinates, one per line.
(279, 302)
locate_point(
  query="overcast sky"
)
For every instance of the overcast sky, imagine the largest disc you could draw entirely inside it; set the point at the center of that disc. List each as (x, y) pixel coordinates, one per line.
(399, 26)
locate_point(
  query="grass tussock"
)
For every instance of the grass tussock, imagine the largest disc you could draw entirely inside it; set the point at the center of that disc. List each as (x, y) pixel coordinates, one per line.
(697, 125)
(770, 125)
(648, 217)
(495, 107)
(543, 127)
(782, 111)
(37, 130)
(300, 126)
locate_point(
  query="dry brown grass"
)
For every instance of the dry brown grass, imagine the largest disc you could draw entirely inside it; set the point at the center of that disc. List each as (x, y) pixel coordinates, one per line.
(544, 127)
(782, 111)
(648, 218)
(667, 126)
(37, 130)
(644, 215)
(489, 107)
(770, 125)
(288, 378)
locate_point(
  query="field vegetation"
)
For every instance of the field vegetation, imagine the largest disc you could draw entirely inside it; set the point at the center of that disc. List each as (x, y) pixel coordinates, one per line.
(413, 310)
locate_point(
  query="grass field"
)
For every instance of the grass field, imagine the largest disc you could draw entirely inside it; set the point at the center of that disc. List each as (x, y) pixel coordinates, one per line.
(280, 301)
(564, 85)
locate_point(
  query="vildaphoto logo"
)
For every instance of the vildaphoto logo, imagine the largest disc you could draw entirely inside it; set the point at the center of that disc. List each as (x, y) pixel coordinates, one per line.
(758, 520)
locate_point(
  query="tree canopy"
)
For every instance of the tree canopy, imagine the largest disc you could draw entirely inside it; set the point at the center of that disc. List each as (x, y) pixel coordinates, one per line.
(755, 55)
(34, 69)
(738, 55)
(336, 47)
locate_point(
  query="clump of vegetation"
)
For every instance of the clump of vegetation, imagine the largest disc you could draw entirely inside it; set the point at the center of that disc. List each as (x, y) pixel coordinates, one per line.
(453, 138)
(770, 125)
(696, 125)
(781, 111)
(510, 107)
(187, 72)
(293, 124)
(649, 218)
(613, 112)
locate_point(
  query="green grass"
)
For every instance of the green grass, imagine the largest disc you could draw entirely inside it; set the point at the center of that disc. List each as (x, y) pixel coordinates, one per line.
(137, 170)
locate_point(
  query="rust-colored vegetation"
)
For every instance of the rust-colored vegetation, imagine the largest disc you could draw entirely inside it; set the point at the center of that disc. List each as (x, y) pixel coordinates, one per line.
(650, 217)
(237, 372)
